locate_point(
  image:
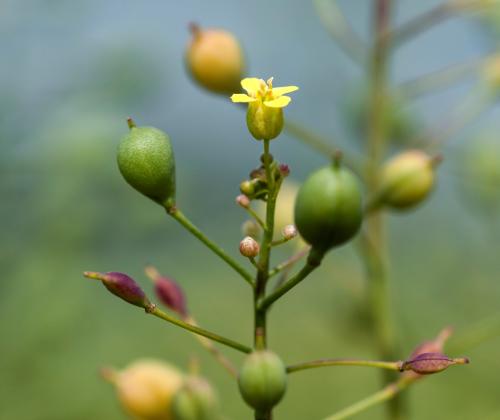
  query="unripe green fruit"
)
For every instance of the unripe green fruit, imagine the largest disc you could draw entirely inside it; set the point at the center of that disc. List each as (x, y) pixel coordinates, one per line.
(328, 210)
(264, 122)
(215, 60)
(262, 380)
(196, 400)
(146, 161)
(406, 180)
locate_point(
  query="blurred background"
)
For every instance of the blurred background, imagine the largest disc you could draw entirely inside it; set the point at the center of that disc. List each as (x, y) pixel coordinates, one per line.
(73, 71)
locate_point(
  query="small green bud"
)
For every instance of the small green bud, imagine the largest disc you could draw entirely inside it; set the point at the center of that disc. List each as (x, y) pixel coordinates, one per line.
(146, 161)
(406, 180)
(215, 60)
(196, 400)
(328, 209)
(264, 122)
(262, 380)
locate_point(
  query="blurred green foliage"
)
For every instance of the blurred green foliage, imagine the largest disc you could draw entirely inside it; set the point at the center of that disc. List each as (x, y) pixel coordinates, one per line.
(73, 73)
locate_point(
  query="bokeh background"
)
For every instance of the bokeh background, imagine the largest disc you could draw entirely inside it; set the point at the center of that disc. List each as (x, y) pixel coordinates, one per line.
(70, 74)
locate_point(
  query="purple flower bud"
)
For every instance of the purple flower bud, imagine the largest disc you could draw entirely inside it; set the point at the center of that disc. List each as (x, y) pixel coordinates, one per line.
(122, 286)
(428, 363)
(171, 295)
(243, 201)
(284, 170)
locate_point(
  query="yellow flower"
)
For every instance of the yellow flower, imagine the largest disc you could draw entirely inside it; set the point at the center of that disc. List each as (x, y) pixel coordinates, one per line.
(258, 90)
(265, 106)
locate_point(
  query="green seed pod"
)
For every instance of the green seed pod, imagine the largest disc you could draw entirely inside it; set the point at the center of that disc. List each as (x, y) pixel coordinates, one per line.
(146, 161)
(328, 210)
(196, 400)
(215, 60)
(406, 180)
(264, 122)
(262, 380)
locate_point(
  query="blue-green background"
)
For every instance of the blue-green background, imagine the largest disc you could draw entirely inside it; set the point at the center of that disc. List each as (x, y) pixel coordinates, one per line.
(71, 71)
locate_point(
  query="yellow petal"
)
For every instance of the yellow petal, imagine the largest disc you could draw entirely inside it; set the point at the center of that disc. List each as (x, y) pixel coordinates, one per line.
(241, 97)
(280, 102)
(251, 84)
(277, 92)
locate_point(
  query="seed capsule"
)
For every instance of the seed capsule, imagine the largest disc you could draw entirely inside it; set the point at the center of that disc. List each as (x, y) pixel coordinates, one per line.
(406, 180)
(428, 363)
(215, 60)
(264, 122)
(328, 208)
(262, 380)
(146, 161)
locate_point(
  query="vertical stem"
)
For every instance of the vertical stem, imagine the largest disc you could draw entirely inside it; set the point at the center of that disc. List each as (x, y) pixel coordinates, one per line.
(260, 315)
(377, 137)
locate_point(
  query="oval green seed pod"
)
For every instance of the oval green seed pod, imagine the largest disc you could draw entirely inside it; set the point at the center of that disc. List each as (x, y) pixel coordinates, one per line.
(196, 400)
(264, 122)
(262, 380)
(406, 180)
(146, 161)
(328, 209)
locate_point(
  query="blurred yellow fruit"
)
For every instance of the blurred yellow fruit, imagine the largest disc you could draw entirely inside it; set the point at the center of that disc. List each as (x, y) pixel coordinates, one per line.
(215, 60)
(146, 388)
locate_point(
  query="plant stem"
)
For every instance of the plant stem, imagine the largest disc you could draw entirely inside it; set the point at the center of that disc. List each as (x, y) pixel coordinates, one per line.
(374, 257)
(345, 362)
(214, 351)
(289, 262)
(385, 394)
(197, 330)
(186, 223)
(313, 262)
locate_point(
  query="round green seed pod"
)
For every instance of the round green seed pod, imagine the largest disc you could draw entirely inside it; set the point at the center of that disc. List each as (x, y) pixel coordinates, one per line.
(196, 400)
(146, 161)
(406, 180)
(264, 123)
(328, 209)
(262, 380)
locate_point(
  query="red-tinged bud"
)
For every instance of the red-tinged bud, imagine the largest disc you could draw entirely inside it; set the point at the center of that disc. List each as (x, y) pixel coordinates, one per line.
(284, 170)
(168, 291)
(243, 201)
(249, 247)
(122, 286)
(428, 363)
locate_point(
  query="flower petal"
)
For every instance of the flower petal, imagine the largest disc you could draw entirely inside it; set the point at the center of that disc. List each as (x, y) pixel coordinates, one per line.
(241, 97)
(251, 84)
(280, 102)
(277, 92)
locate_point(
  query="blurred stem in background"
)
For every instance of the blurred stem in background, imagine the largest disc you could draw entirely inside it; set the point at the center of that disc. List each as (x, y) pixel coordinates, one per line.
(374, 255)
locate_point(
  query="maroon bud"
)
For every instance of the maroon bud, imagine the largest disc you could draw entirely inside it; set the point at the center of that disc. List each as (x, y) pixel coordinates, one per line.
(171, 295)
(284, 170)
(428, 363)
(122, 286)
(168, 292)
(249, 247)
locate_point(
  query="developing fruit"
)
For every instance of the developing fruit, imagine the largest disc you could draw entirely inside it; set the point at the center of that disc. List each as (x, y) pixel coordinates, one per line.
(406, 180)
(146, 389)
(328, 209)
(146, 161)
(215, 60)
(262, 380)
(196, 400)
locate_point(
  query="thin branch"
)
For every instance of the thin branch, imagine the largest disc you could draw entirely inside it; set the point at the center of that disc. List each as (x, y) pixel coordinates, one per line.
(345, 362)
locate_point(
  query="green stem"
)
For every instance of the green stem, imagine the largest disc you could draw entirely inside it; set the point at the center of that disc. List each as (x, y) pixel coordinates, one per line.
(377, 138)
(313, 262)
(345, 362)
(257, 218)
(186, 223)
(289, 262)
(385, 394)
(197, 330)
